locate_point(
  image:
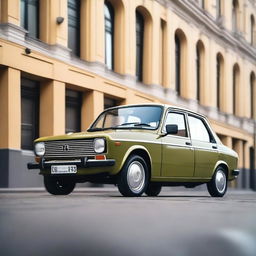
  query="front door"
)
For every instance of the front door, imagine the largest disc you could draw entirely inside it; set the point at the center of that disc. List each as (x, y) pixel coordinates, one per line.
(177, 152)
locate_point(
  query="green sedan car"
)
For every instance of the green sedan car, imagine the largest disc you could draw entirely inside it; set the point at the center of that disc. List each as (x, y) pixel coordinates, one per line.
(139, 148)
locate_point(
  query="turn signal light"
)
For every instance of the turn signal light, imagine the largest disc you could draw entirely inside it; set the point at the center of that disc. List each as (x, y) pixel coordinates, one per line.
(100, 157)
(37, 159)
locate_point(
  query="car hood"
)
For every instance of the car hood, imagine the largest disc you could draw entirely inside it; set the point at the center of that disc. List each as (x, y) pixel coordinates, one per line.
(111, 134)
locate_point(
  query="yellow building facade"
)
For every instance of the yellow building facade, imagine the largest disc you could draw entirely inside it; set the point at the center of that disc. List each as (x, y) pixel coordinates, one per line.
(68, 60)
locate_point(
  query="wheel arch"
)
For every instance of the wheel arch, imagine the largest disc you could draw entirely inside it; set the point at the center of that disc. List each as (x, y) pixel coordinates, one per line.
(222, 164)
(140, 151)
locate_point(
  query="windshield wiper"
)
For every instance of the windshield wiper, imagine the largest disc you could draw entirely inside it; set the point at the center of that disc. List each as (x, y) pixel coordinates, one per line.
(135, 124)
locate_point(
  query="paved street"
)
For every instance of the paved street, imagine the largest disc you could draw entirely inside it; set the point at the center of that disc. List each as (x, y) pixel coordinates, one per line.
(99, 221)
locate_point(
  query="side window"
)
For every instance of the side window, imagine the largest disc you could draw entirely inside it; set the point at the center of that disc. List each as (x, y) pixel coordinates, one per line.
(198, 130)
(178, 119)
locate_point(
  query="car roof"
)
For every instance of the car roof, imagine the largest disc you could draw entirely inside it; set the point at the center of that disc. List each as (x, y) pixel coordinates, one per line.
(165, 106)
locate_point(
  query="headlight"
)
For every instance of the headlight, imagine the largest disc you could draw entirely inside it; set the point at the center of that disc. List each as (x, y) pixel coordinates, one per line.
(39, 149)
(99, 145)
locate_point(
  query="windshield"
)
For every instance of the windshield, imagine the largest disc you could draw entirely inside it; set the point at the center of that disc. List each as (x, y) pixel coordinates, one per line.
(146, 117)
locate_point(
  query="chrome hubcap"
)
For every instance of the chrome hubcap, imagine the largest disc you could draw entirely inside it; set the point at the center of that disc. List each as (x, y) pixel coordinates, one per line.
(136, 177)
(220, 180)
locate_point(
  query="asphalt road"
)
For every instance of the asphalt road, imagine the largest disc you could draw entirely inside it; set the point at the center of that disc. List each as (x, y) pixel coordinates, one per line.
(101, 222)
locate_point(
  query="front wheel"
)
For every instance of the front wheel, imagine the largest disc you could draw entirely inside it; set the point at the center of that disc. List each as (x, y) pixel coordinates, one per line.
(133, 179)
(58, 185)
(217, 187)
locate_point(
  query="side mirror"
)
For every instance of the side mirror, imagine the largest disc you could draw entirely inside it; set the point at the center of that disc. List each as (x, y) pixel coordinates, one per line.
(171, 129)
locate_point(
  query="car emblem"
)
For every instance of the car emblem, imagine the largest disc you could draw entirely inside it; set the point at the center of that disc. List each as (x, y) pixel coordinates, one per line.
(65, 147)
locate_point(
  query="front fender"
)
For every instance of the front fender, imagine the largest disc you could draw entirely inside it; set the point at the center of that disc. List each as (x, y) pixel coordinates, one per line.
(132, 149)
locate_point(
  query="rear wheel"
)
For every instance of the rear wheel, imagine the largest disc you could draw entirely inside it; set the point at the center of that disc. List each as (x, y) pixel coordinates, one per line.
(133, 178)
(217, 187)
(153, 189)
(58, 185)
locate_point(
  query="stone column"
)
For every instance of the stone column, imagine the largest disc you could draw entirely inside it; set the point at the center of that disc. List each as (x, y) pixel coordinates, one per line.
(52, 108)
(10, 105)
(92, 106)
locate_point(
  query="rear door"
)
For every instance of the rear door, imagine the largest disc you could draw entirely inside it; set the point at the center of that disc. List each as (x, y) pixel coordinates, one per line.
(204, 144)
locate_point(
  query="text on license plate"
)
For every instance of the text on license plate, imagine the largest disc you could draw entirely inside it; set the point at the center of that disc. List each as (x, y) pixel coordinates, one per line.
(57, 169)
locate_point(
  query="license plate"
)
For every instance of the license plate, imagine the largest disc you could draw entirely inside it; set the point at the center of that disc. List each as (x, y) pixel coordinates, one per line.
(59, 169)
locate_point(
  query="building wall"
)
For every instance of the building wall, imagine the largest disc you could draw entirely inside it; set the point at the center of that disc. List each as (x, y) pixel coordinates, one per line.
(57, 68)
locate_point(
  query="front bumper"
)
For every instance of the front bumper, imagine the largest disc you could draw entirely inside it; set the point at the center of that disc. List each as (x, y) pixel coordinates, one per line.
(82, 163)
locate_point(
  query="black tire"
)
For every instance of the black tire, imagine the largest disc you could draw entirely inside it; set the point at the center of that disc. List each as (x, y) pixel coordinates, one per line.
(58, 185)
(133, 178)
(153, 189)
(217, 187)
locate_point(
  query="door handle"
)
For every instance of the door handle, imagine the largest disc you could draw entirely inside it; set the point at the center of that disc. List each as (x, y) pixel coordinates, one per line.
(214, 147)
(188, 143)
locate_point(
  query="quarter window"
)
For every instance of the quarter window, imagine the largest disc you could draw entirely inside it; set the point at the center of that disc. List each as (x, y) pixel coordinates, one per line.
(178, 119)
(198, 130)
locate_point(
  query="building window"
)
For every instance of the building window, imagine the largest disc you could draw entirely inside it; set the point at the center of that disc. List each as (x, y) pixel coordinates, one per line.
(29, 14)
(235, 88)
(235, 11)
(219, 8)
(29, 112)
(252, 30)
(74, 26)
(110, 102)
(73, 111)
(219, 78)
(139, 45)
(177, 64)
(109, 35)
(252, 87)
(163, 50)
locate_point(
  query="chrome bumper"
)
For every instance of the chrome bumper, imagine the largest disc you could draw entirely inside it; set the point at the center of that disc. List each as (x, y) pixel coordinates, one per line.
(82, 163)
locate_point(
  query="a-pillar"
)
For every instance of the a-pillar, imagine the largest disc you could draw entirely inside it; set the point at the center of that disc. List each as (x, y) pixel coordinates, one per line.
(52, 108)
(92, 106)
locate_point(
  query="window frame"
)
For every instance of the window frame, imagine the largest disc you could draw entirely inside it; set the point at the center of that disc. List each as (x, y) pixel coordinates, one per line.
(206, 125)
(176, 111)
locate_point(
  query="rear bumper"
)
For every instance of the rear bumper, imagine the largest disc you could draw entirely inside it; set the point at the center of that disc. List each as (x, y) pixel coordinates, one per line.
(235, 172)
(83, 163)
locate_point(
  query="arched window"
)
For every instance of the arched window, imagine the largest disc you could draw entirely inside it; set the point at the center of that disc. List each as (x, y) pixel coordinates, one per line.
(109, 35)
(139, 45)
(219, 78)
(252, 32)
(235, 12)
(236, 74)
(177, 63)
(180, 62)
(252, 92)
(74, 26)
(199, 69)
(29, 13)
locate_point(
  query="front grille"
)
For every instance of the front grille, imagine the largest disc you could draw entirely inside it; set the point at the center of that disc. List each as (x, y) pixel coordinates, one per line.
(69, 148)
